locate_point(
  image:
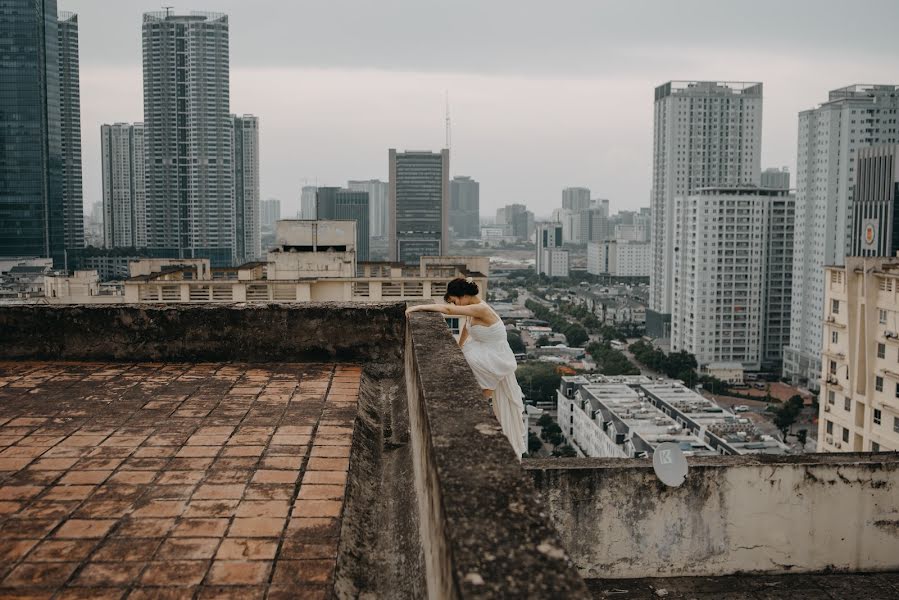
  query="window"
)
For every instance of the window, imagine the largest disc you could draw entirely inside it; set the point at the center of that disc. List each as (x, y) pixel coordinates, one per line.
(835, 307)
(831, 396)
(875, 447)
(829, 427)
(833, 369)
(845, 435)
(877, 416)
(896, 424)
(878, 383)
(881, 351)
(847, 404)
(834, 336)
(882, 316)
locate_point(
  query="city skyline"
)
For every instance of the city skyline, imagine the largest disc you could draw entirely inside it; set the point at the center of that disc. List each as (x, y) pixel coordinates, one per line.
(508, 108)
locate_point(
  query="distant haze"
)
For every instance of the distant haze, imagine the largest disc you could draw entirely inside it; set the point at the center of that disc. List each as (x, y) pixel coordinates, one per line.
(543, 95)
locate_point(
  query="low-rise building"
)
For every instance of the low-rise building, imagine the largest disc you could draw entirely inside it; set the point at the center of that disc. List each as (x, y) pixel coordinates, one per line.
(619, 258)
(859, 397)
(628, 416)
(729, 372)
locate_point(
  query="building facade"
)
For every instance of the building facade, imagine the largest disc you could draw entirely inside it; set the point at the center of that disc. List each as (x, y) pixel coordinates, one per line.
(124, 185)
(731, 263)
(875, 218)
(247, 227)
(778, 179)
(418, 205)
(465, 207)
(551, 258)
(32, 212)
(188, 139)
(338, 204)
(705, 133)
(307, 202)
(830, 138)
(859, 397)
(269, 213)
(620, 258)
(70, 126)
(378, 199)
(575, 198)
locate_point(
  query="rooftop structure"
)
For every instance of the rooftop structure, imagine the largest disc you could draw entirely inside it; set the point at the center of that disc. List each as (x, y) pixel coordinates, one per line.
(629, 416)
(203, 450)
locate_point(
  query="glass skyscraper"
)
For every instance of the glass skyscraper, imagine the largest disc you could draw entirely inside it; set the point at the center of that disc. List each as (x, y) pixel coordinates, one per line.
(70, 127)
(32, 211)
(333, 203)
(419, 205)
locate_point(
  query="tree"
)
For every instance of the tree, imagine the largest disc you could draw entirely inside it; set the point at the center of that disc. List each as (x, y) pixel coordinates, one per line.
(538, 380)
(802, 436)
(576, 335)
(565, 451)
(516, 343)
(543, 340)
(555, 439)
(785, 415)
(534, 443)
(544, 420)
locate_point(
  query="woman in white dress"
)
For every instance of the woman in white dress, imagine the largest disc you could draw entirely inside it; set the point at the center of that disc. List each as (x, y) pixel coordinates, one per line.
(485, 345)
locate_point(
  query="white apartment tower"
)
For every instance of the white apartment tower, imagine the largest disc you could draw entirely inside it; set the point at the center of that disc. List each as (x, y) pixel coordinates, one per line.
(706, 133)
(830, 137)
(187, 120)
(551, 259)
(731, 260)
(859, 401)
(124, 191)
(247, 226)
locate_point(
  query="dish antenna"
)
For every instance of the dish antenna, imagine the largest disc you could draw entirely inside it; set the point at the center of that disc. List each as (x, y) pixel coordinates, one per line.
(669, 464)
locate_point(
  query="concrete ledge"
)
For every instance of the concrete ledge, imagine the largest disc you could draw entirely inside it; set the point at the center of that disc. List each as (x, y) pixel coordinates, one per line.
(734, 514)
(203, 332)
(484, 531)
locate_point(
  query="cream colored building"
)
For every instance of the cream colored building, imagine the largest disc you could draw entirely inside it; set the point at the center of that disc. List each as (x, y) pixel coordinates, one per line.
(313, 261)
(860, 357)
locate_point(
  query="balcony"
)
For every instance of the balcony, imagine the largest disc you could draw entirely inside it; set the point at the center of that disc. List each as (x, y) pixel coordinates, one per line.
(339, 450)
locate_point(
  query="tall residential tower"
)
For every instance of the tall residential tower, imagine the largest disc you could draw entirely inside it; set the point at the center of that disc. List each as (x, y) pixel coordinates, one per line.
(830, 138)
(190, 203)
(247, 227)
(124, 189)
(706, 133)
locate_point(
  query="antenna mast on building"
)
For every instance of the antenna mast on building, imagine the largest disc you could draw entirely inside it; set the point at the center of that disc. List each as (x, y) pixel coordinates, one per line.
(168, 10)
(449, 133)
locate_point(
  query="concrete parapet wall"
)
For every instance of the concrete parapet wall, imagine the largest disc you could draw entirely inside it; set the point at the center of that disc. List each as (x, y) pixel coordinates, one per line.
(483, 529)
(203, 332)
(733, 514)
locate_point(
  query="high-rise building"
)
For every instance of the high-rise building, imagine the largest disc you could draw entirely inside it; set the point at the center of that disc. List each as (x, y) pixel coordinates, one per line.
(594, 225)
(378, 192)
(778, 179)
(732, 251)
(859, 402)
(269, 213)
(706, 133)
(465, 207)
(247, 228)
(307, 202)
(124, 186)
(576, 198)
(338, 204)
(188, 137)
(70, 127)
(418, 205)
(875, 215)
(32, 212)
(830, 138)
(518, 218)
(551, 259)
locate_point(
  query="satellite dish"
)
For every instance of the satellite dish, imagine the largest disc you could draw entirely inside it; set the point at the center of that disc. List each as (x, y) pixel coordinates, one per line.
(669, 464)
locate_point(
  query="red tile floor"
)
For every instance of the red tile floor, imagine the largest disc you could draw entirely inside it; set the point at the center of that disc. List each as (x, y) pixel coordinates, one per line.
(172, 480)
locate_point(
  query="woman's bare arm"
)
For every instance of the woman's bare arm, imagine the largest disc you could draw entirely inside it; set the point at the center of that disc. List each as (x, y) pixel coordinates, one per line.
(478, 311)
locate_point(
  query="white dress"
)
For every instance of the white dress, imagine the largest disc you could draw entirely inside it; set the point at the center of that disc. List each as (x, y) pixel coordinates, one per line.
(493, 363)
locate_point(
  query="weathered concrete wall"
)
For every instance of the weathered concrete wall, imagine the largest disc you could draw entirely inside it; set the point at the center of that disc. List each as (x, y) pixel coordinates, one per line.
(483, 531)
(733, 514)
(205, 332)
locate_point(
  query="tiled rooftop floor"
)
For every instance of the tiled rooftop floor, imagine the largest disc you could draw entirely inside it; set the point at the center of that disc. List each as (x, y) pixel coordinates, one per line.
(833, 586)
(172, 480)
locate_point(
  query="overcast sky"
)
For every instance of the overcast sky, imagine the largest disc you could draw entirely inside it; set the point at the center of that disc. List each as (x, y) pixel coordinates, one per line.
(543, 95)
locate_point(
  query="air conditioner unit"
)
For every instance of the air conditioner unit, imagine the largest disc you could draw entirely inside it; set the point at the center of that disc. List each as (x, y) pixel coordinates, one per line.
(838, 445)
(831, 320)
(828, 439)
(827, 408)
(889, 335)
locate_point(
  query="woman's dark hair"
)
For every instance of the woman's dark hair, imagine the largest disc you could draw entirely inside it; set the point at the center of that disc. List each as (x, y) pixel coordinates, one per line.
(459, 287)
